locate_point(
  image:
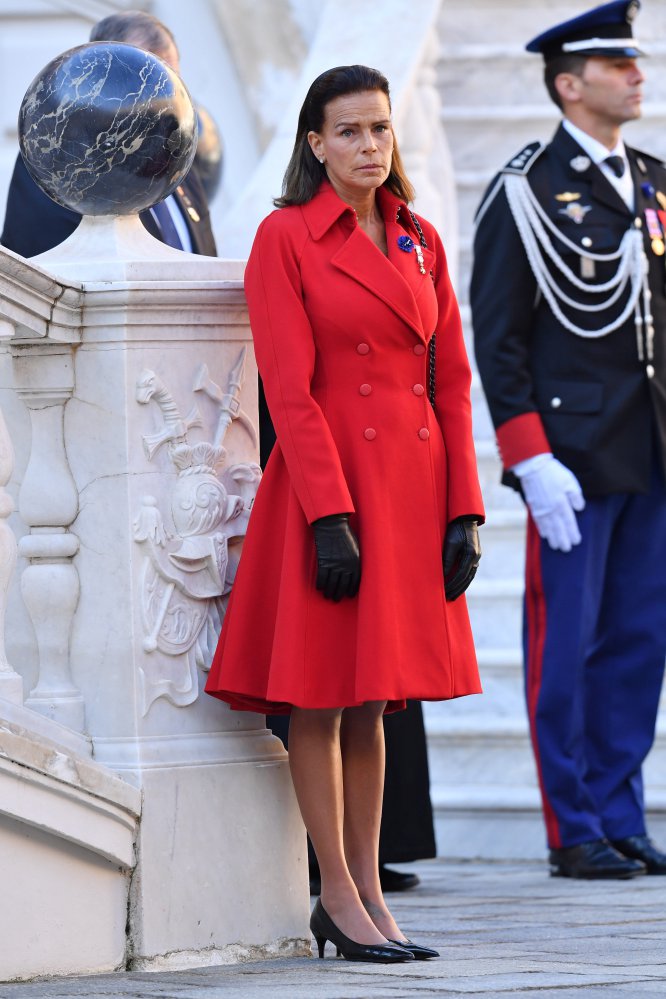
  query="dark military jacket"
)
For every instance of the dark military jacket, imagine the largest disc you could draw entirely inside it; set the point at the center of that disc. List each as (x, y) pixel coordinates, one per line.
(595, 403)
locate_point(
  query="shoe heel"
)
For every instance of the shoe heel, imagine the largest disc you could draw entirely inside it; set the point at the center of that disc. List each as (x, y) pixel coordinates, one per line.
(321, 944)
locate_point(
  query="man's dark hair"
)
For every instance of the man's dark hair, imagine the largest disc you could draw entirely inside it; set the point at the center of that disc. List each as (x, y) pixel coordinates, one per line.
(566, 63)
(134, 27)
(304, 173)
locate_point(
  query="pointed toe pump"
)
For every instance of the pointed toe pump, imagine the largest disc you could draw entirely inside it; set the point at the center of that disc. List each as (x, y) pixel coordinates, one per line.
(323, 928)
(419, 952)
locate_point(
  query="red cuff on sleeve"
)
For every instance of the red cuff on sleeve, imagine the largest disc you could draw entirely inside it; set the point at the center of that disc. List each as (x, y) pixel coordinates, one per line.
(521, 438)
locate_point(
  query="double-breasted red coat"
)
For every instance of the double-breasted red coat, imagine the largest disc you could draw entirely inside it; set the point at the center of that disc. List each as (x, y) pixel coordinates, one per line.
(341, 333)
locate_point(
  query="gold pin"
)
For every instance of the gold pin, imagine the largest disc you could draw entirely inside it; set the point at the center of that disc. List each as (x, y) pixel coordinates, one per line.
(661, 198)
(193, 213)
(567, 196)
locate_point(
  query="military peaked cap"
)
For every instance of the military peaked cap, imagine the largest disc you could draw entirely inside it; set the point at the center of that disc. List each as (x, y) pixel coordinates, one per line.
(603, 31)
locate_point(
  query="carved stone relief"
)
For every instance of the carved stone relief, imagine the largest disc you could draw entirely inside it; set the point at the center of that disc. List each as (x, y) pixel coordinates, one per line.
(190, 551)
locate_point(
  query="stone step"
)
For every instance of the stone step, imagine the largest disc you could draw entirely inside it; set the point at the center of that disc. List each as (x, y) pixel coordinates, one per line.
(495, 611)
(463, 74)
(494, 823)
(503, 545)
(496, 496)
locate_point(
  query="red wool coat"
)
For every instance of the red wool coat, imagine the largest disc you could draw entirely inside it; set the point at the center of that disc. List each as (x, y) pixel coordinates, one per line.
(340, 334)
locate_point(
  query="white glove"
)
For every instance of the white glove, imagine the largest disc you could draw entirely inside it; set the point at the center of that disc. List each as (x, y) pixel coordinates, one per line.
(552, 493)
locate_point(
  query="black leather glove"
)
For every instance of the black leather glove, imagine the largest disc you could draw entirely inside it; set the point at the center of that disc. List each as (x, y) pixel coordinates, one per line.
(461, 555)
(338, 557)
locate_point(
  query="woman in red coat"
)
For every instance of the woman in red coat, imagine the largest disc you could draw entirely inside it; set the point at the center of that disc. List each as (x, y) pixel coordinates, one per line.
(348, 597)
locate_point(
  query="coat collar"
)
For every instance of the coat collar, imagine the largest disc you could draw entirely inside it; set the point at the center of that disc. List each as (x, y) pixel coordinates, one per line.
(327, 207)
(395, 279)
(568, 150)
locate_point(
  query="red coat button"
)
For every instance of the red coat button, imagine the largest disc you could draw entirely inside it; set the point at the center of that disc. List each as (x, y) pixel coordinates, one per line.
(365, 389)
(370, 433)
(424, 433)
(418, 389)
(419, 349)
(363, 348)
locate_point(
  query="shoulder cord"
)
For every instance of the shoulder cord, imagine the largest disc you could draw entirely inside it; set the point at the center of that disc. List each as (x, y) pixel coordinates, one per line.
(531, 222)
(432, 348)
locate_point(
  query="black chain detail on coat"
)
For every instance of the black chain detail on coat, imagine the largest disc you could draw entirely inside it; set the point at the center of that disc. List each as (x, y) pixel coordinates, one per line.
(431, 343)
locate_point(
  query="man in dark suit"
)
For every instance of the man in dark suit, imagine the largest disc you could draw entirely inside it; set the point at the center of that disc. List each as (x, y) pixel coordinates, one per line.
(34, 223)
(568, 301)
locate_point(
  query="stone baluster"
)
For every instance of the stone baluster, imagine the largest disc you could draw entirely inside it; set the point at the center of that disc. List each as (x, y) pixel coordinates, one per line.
(11, 684)
(48, 504)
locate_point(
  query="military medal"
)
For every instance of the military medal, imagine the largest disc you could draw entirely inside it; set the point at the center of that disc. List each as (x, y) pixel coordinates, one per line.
(655, 232)
(191, 210)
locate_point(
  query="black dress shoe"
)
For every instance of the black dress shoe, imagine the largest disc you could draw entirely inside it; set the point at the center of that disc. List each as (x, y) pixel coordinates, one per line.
(642, 848)
(420, 952)
(597, 859)
(391, 880)
(323, 928)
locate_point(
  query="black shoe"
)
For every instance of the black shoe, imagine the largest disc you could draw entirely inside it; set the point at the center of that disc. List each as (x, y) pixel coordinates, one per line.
(391, 880)
(597, 859)
(323, 928)
(642, 848)
(420, 953)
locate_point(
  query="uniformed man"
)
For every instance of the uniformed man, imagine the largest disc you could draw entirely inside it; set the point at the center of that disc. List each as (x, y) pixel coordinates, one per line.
(569, 310)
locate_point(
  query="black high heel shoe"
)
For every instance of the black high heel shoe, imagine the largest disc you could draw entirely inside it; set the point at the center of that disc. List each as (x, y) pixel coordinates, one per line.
(323, 928)
(420, 952)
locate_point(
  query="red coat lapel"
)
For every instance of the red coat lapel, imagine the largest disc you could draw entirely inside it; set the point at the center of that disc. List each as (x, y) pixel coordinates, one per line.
(359, 259)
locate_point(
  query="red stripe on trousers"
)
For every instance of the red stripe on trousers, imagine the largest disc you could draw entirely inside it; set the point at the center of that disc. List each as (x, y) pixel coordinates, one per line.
(535, 607)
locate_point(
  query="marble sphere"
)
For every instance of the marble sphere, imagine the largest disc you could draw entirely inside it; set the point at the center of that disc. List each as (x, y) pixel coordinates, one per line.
(107, 129)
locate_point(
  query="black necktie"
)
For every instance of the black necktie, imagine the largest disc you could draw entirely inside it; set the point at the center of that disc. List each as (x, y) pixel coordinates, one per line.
(616, 163)
(168, 230)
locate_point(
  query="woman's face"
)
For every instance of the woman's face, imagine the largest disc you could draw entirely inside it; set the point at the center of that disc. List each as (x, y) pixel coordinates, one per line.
(356, 141)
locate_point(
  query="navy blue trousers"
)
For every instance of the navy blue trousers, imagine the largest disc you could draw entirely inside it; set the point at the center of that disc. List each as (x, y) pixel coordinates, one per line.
(594, 633)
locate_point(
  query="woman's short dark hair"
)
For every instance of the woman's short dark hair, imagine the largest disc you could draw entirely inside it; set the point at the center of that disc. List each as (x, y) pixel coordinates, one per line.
(304, 172)
(567, 63)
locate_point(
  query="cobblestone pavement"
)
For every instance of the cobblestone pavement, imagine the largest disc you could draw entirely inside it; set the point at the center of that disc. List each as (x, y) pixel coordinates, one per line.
(503, 929)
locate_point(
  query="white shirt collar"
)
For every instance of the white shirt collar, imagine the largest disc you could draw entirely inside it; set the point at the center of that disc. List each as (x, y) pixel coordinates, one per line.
(594, 149)
(597, 152)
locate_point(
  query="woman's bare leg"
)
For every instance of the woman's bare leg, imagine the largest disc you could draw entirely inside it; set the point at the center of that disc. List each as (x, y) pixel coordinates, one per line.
(362, 741)
(315, 761)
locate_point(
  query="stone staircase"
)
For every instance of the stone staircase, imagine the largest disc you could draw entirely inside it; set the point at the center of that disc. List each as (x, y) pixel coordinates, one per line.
(483, 779)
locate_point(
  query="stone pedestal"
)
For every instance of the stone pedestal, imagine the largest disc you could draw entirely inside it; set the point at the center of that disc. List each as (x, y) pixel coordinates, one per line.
(142, 392)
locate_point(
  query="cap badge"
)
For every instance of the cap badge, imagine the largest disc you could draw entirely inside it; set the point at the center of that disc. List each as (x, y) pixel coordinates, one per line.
(632, 10)
(567, 196)
(575, 212)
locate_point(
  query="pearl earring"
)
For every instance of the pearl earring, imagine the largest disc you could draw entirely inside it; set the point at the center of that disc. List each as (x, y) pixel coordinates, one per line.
(321, 159)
